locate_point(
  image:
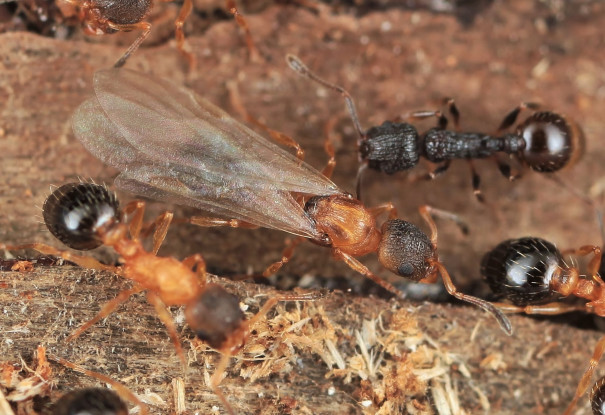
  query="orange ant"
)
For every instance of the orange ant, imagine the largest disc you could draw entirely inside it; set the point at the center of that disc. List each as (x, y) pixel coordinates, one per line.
(172, 145)
(531, 272)
(100, 17)
(545, 142)
(84, 216)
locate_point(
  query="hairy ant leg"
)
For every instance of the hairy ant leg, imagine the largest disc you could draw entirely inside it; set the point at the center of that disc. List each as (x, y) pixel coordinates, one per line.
(287, 254)
(160, 225)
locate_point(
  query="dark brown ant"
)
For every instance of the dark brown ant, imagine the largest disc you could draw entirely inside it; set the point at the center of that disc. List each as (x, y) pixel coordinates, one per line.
(85, 215)
(532, 274)
(545, 141)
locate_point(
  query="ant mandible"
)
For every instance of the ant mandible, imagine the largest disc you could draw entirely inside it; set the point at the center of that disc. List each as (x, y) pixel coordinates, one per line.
(545, 141)
(84, 216)
(530, 272)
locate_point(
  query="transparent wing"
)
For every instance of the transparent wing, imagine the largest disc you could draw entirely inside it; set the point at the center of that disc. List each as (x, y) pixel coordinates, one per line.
(174, 146)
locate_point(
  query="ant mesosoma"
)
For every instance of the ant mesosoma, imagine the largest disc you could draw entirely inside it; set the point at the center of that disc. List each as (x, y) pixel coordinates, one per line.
(545, 141)
(85, 215)
(214, 163)
(529, 272)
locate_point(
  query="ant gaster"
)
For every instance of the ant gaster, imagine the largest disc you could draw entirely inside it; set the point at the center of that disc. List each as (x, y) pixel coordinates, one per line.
(545, 142)
(85, 216)
(531, 273)
(216, 164)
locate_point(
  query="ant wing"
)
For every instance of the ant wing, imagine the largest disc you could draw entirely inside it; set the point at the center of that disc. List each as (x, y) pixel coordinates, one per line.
(172, 145)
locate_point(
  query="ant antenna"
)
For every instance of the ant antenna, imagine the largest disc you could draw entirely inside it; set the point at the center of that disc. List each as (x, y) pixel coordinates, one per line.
(296, 64)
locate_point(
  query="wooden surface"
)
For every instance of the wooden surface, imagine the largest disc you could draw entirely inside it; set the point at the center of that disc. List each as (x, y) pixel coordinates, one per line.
(392, 61)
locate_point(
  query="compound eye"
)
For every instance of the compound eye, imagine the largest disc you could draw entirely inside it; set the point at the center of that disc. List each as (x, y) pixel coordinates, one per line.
(76, 211)
(551, 141)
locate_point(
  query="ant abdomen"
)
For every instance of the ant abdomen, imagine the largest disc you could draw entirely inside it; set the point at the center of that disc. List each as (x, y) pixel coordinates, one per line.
(439, 145)
(214, 315)
(405, 250)
(74, 212)
(123, 12)
(552, 141)
(597, 397)
(90, 401)
(390, 147)
(521, 270)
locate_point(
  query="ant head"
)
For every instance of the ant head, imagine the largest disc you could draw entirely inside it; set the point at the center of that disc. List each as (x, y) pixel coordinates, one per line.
(405, 250)
(90, 401)
(390, 147)
(75, 212)
(521, 270)
(552, 141)
(214, 315)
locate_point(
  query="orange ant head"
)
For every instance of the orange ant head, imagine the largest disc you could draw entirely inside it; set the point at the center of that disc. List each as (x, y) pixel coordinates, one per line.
(405, 250)
(75, 213)
(214, 315)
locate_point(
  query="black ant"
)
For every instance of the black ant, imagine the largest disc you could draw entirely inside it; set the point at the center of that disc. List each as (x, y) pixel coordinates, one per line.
(217, 164)
(545, 141)
(531, 273)
(85, 215)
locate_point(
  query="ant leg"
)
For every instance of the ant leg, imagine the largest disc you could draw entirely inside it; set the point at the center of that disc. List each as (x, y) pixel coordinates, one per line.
(512, 116)
(83, 261)
(166, 318)
(329, 148)
(216, 379)
(291, 244)
(432, 175)
(385, 207)
(137, 209)
(585, 380)
(453, 110)
(363, 270)
(362, 167)
(120, 389)
(239, 19)
(107, 309)
(145, 27)
(550, 309)
(296, 65)
(428, 213)
(421, 115)
(476, 181)
(277, 136)
(209, 222)
(186, 9)
(505, 169)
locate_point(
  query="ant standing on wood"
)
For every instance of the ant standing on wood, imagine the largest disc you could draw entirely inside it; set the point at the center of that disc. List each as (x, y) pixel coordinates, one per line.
(545, 142)
(530, 272)
(85, 216)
